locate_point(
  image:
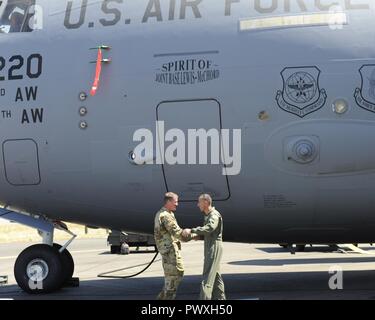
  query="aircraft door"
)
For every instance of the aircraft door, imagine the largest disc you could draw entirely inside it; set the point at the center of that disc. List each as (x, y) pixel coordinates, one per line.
(192, 175)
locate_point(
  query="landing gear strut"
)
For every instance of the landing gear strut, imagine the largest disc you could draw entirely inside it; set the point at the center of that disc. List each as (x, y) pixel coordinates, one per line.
(47, 267)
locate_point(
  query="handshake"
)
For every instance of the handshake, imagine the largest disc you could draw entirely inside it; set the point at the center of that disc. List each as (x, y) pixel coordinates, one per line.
(187, 235)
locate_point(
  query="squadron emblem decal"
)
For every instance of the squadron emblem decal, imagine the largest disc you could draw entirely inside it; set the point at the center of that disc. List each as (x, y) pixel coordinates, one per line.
(301, 94)
(365, 96)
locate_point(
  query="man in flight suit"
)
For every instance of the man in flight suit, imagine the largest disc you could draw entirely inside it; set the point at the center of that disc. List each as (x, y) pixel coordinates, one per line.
(168, 236)
(212, 286)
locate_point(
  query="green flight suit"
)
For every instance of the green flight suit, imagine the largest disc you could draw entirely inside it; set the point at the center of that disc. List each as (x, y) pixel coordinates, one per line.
(212, 286)
(167, 235)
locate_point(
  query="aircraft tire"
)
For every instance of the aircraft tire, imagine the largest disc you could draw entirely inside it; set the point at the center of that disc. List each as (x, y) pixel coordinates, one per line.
(67, 263)
(42, 262)
(115, 249)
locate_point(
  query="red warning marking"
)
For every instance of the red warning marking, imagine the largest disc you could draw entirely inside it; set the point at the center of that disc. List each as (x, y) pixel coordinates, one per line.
(98, 71)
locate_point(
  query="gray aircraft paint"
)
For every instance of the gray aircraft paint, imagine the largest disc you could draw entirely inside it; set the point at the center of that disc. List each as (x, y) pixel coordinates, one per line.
(85, 176)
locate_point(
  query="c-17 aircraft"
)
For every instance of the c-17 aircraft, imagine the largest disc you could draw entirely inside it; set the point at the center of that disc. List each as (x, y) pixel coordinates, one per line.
(79, 78)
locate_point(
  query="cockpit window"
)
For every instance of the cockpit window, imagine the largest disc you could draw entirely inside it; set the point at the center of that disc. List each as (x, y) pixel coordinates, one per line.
(16, 15)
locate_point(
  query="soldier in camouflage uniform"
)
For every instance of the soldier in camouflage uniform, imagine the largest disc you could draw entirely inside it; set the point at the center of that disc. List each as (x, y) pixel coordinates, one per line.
(168, 236)
(212, 286)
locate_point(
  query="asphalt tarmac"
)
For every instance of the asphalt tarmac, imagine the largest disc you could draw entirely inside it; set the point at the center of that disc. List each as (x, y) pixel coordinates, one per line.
(250, 272)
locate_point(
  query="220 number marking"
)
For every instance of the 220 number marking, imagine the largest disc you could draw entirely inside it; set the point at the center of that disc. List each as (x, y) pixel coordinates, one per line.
(34, 65)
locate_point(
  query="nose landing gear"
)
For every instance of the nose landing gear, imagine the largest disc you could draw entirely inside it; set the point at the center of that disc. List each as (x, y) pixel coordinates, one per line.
(67, 264)
(39, 269)
(47, 267)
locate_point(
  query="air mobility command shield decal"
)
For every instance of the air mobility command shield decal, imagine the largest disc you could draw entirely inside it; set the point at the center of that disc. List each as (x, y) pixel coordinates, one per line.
(365, 95)
(301, 94)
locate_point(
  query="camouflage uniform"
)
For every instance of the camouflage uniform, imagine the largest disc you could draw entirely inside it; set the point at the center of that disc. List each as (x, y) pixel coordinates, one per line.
(212, 286)
(167, 237)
